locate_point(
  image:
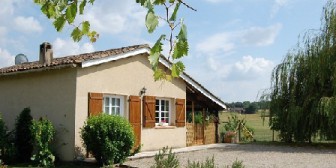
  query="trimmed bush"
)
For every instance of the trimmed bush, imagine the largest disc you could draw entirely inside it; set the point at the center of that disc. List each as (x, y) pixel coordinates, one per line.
(23, 135)
(109, 138)
(43, 134)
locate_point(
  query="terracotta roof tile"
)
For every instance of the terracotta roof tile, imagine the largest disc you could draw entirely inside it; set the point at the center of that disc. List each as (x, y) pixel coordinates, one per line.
(69, 61)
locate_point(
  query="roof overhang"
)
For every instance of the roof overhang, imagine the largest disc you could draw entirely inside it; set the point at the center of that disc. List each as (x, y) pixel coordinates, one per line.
(164, 62)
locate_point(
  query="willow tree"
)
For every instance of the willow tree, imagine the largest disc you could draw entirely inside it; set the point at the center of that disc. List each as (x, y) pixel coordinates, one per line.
(303, 88)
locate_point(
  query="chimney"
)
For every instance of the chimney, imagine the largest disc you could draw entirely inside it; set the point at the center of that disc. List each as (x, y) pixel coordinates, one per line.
(46, 53)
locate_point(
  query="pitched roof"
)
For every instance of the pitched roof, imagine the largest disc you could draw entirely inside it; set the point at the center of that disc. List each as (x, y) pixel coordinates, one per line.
(100, 57)
(69, 61)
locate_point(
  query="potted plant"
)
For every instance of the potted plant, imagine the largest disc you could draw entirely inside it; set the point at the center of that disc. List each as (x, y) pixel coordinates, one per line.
(229, 136)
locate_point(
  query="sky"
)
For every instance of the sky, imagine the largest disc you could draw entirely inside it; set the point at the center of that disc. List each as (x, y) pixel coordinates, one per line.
(234, 45)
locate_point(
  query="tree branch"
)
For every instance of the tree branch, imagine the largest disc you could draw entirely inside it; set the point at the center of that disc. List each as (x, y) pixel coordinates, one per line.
(188, 6)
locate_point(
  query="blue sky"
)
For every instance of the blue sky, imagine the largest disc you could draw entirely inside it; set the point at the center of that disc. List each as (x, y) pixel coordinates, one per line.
(234, 45)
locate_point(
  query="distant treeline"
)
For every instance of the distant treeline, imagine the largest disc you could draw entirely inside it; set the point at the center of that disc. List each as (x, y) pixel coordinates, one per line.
(247, 107)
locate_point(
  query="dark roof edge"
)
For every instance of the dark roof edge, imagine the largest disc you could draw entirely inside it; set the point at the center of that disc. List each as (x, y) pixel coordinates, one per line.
(45, 68)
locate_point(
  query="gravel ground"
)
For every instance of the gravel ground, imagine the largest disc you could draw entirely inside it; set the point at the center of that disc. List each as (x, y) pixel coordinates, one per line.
(256, 155)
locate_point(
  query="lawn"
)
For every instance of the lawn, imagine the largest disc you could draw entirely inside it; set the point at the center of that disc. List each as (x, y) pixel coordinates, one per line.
(262, 131)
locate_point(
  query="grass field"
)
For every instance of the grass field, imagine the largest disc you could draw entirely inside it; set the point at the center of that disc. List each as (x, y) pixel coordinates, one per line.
(261, 128)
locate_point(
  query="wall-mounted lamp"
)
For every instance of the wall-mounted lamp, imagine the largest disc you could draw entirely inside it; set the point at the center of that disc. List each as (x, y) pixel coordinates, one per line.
(143, 91)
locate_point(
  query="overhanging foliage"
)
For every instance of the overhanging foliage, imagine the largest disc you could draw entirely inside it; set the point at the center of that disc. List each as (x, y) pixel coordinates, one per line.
(303, 88)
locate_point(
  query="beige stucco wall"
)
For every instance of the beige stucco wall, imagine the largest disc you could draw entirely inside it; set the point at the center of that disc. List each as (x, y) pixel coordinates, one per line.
(127, 77)
(49, 94)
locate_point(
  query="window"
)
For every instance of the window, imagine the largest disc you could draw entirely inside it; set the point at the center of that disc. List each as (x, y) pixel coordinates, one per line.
(162, 112)
(114, 105)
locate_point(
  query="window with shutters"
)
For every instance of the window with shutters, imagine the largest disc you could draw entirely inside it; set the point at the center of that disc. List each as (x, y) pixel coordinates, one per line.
(162, 112)
(114, 105)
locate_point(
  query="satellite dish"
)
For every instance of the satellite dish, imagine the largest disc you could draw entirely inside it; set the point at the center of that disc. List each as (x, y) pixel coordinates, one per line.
(20, 59)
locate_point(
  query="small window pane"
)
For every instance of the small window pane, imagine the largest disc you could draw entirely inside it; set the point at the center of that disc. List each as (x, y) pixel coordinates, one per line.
(156, 114)
(118, 102)
(107, 101)
(118, 111)
(167, 105)
(113, 110)
(106, 110)
(157, 102)
(113, 101)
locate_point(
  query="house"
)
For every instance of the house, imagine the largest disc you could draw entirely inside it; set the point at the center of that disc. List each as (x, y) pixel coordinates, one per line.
(68, 90)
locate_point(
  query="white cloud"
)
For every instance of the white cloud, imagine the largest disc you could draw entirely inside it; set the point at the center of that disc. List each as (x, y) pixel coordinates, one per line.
(27, 24)
(115, 16)
(278, 4)
(227, 42)
(7, 8)
(6, 59)
(261, 36)
(218, 43)
(250, 65)
(68, 47)
(244, 69)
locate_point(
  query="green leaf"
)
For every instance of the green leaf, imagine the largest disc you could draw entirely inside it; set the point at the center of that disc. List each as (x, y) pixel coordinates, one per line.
(85, 27)
(151, 21)
(51, 11)
(173, 16)
(93, 36)
(171, 1)
(81, 7)
(159, 74)
(76, 34)
(59, 23)
(177, 69)
(44, 9)
(157, 48)
(142, 2)
(181, 49)
(71, 13)
(159, 2)
(91, 1)
(156, 52)
(183, 33)
(154, 59)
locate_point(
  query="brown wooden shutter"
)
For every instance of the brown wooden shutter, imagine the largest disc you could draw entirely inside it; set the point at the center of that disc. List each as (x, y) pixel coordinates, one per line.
(95, 103)
(149, 111)
(135, 118)
(180, 112)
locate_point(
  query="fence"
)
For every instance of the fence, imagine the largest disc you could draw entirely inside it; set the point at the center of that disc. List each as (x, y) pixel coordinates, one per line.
(199, 135)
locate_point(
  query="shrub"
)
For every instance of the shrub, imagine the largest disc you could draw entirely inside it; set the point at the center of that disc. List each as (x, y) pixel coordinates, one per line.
(161, 161)
(23, 135)
(237, 164)
(109, 138)
(43, 134)
(7, 149)
(3, 136)
(209, 163)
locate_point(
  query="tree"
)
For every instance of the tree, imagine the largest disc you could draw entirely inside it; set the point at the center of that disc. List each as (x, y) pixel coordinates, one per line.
(64, 12)
(251, 109)
(23, 135)
(246, 104)
(303, 89)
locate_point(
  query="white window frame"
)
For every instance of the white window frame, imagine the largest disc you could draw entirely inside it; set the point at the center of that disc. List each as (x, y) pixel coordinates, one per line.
(160, 112)
(111, 106)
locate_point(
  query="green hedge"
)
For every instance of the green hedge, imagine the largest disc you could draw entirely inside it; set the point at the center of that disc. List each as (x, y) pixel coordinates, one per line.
(109, 138)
